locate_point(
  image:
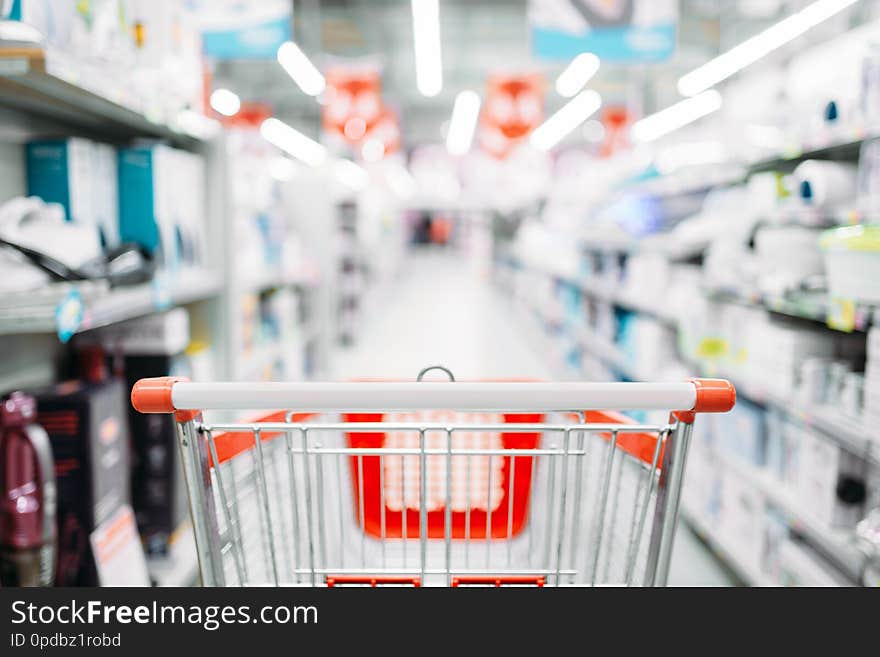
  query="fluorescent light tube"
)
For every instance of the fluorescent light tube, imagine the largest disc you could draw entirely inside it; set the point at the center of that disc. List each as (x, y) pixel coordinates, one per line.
(300, 68)
(566, 119)
(675, 116)
(576, 75)
(463, 123)
(225, 102)
(763, 43)
(426, 42)
(294, 142)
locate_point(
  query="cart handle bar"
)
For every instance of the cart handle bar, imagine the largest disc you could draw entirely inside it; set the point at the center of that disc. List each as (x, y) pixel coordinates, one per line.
(170, 394)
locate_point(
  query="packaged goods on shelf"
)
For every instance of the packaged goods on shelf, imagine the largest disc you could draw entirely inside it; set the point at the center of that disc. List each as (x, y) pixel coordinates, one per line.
(649, 345)
(830, 186)
(143, 55)
(741, 433)
(787, 257)
(87, 424)
(162, 333)
(61, 171)
(741, 519)
(81, 176)
(161, 203)
(831, 481)
(151, 346)
(852, 258)
(775, 351)
(646, 279)
(825, 86)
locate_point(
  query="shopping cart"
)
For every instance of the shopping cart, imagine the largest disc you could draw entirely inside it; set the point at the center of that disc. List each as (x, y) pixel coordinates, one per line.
(378, 483)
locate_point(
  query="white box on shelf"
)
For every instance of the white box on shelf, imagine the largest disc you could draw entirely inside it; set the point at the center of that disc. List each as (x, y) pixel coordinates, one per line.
(163, 333)
(828, 479)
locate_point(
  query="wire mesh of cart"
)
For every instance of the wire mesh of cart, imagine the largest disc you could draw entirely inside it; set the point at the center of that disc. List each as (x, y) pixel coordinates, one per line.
(433, 483)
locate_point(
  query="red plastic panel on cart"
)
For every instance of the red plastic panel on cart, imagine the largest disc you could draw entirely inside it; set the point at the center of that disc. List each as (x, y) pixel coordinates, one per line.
(490, 511)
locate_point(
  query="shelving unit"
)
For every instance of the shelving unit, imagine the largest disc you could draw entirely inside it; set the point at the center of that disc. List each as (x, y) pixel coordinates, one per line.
(839, 547)
(44, 93)
(111, 306)
(816, 307)
(44, 84)
(844, 146)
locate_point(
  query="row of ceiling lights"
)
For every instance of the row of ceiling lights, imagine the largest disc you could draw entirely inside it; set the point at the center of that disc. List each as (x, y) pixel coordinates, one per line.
(697, 85)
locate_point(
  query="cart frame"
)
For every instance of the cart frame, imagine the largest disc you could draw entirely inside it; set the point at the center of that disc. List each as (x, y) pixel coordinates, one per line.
(206, 492)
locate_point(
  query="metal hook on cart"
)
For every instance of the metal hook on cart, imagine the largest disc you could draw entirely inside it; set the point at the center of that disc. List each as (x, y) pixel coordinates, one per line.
(436, 367)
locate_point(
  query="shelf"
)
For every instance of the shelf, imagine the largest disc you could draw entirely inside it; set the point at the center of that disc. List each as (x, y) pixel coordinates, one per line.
(850, 433)
(838, 546)
(688, 181)
(36, 313)
(749, 575)
(46, 84)
(814, 307)
(844, 147)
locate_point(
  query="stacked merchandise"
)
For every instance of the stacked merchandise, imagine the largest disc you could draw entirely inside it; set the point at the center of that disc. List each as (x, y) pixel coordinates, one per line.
(86, 421)
(161, 206)
(270, 336)
(143, 55)
(148, 347)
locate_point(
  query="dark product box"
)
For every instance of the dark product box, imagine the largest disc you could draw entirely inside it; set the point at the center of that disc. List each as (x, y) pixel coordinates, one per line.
(158, 490)
(87, 427)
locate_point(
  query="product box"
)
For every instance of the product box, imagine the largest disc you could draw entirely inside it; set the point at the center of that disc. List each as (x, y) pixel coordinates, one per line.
(831, 482)
(148, 347)
(87, 425)
(161, 333)
(60, 171)
(158, 489)
(741, 519)
(161, 202)
(741, 433)
(80, 175)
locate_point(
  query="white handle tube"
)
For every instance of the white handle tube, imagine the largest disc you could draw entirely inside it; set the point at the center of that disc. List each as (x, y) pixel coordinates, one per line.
(374, 396)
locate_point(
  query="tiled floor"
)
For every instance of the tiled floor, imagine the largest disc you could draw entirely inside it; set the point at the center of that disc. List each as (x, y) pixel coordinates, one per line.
(443, 312)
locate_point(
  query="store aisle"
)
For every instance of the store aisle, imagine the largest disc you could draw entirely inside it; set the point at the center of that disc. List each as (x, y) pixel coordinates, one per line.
(442, 311)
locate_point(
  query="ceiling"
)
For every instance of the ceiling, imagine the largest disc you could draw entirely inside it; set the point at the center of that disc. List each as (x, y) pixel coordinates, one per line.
(478, 36)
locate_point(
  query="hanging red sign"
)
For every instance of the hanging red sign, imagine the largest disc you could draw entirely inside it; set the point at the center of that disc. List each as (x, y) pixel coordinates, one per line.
(514, 107)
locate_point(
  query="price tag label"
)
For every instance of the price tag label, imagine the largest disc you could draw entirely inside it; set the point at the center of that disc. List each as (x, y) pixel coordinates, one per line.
(69, 315)
(119, 556)
(842, 315)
